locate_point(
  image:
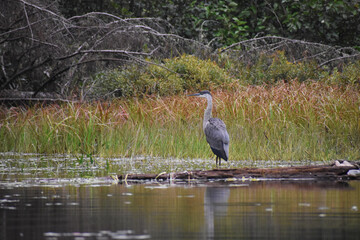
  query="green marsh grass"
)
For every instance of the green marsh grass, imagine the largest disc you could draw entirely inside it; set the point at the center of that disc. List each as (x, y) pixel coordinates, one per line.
(284, 121)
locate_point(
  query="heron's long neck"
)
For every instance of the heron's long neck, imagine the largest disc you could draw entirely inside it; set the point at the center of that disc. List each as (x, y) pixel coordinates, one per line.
(207, 113)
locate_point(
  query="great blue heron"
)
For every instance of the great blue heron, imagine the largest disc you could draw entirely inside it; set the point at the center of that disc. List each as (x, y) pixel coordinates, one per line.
(215, 130)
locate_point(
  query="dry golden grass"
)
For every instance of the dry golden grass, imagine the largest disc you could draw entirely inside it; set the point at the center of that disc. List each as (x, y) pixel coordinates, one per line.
(284, 121)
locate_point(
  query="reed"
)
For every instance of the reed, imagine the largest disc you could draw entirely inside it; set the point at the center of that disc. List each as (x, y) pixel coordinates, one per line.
(295, 121)
(284, 121)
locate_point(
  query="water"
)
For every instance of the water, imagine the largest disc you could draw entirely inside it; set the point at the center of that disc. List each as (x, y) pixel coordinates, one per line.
(19, 166)
(41, 207)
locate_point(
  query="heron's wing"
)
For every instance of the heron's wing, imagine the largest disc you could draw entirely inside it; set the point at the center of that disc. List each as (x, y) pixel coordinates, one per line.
(217, 136)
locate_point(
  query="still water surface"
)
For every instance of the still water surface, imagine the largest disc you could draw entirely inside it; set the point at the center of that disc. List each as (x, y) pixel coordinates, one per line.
(97, 208)
(252, 210)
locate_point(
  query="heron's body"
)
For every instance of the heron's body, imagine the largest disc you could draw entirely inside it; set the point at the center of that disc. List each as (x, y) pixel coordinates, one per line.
(218, 138)
(215, 130)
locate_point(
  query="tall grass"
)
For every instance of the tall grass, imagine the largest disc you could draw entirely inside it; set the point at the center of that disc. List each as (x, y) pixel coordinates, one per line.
(295, 121)
(283, 121)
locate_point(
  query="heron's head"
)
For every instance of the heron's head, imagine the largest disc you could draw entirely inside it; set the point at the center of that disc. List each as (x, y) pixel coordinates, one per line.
(204, 94)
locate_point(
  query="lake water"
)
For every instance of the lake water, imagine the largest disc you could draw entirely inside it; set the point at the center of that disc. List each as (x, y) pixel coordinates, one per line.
(38, 207)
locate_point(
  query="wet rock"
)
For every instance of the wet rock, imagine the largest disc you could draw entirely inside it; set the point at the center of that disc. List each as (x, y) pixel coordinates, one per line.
(354, 172)
(343, 164)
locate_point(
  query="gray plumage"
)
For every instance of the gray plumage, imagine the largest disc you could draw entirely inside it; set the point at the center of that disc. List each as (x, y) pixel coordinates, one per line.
(215, 130)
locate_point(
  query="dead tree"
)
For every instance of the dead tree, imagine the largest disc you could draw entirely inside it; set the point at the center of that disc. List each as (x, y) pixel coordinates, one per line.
(295, 50)
(43, 51)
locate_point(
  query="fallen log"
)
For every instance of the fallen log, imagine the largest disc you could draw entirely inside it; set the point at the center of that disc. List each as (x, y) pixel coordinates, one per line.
(320, 172)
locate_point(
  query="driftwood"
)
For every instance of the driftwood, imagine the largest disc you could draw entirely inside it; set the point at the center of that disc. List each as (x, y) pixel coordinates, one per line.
(321, 172)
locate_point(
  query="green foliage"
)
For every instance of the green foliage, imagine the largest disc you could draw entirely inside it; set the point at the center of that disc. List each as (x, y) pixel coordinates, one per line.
(229, 22)
(276, 67)
(189, 73)
(118, 82)
(333, 22)
(223, 22)
(350, 75)
(176, 76)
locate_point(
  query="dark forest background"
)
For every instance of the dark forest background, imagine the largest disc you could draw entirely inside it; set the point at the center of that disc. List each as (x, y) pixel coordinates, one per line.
(226, 22)
(58, 46)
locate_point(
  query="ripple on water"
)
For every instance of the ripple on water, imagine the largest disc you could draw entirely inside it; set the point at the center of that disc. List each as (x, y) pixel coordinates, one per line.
(122, 234)
(31, 170)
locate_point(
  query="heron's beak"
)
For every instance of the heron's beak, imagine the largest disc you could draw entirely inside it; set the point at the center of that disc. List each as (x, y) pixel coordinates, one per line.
(195, 94)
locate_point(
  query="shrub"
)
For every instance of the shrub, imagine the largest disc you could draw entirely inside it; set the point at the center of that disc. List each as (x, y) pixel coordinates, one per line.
(189, 73)
(350, 74)
(273, 68)
(177, 75)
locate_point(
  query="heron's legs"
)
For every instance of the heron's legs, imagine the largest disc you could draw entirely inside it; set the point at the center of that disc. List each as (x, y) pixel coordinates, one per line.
(218, 161)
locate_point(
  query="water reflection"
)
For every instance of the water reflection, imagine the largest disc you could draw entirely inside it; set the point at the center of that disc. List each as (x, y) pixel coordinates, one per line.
(215, 206)
(218, 210)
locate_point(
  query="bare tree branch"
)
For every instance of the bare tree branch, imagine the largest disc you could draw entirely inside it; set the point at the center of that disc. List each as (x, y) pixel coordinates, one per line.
(353, 56)
(43, 10)
(43, 51)
(296, 50)
(28, 23)
(118, 51)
